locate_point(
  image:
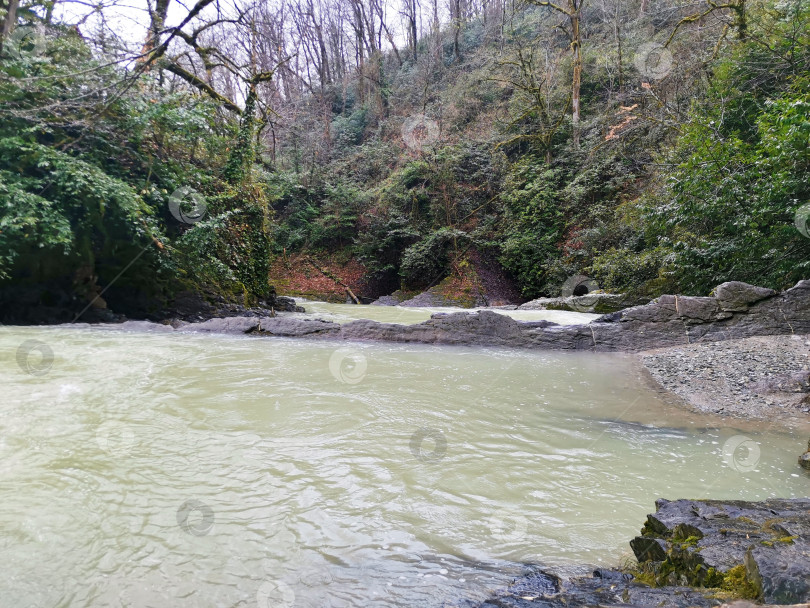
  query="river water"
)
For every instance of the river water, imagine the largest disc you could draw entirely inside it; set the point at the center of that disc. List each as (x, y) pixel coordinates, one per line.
(408, 315)
(154, 470)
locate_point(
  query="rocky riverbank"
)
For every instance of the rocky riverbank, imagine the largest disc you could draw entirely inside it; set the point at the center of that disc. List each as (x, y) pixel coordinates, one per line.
(764, 377)
(735, 311)
(692, 553)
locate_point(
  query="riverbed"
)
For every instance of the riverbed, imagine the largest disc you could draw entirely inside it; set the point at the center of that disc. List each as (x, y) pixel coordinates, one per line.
(149, 469)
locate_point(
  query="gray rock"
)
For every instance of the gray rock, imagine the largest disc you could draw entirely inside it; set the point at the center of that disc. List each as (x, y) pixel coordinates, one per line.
(605, 588)
(770, 538)
(600, 303)
(292, 327)
(698, 309)
(144, 326)
(227, 325)
(646, 549)
(285, 304)
(736, 296)
(386, 301)
(668, 321)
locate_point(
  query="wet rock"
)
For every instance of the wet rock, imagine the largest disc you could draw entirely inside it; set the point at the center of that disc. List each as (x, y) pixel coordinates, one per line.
(604, 588)
(736, 296)
(144, 326)
(668, 321)
(804, 459)
(646, 549)
(600, 303)
(391, 300)
(692, 544)
(228, 325)
(284, 304)
(706, 539)
(292, 327)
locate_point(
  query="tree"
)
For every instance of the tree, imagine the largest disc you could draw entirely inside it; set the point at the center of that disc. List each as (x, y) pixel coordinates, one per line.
(572, 10)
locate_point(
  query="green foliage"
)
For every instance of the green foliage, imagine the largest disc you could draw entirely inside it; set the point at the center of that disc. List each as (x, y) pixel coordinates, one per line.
(741, 170)
(84, 190)
(241, 158)
(381, 245)
(56, 205)
(321, 218)
(701, 186)
(532, 223)
(426, 262)
(349, 130)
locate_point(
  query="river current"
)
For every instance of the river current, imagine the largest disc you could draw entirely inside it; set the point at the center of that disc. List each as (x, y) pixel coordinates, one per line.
(154, 470)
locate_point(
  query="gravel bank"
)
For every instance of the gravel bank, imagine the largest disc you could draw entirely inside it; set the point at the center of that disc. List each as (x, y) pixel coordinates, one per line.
(765, 377)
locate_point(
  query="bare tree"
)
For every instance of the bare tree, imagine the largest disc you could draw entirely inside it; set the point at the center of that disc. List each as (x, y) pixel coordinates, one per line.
(572, 10)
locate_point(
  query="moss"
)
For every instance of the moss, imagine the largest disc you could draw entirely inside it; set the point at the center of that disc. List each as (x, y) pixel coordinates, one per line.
(747, 520)
(788, 540)
(690, 541)
(736, 581)
(726, 586)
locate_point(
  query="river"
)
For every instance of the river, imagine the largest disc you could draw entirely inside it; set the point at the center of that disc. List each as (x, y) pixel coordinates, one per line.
(153, 470)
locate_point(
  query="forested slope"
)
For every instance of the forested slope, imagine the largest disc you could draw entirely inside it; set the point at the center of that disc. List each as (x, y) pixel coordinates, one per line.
(336, 152)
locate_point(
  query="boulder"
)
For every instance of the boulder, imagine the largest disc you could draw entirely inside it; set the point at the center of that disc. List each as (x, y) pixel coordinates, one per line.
(604, 588)
(648, 549)
(698, 310)
(736, 296)
(667, 321)
(599, 303)
(144, 326)
(391, 300)
(685, 544)
(705, 539)
(227, 325)
(296, 328)
(285, 304)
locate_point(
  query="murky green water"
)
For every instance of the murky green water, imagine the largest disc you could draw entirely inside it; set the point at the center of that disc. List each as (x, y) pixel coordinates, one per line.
(183, 470)
(408, 315)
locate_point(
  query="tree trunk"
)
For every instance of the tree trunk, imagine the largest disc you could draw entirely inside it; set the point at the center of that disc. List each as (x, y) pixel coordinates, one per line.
(157, 21)
(9, 21)
(575, 44)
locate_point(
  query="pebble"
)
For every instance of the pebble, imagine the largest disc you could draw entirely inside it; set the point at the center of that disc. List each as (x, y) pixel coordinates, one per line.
(715, 376)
